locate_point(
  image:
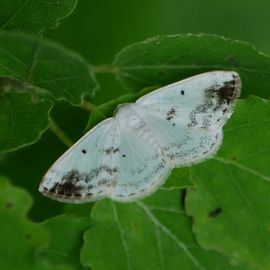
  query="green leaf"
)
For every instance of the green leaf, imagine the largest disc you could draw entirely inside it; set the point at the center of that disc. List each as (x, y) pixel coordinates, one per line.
(165, 59)
(65, 240)
(45, 66)
(20, 238)
(22, 120)
(179, 178)
(230, 203)
(33, 15)
(151, 234)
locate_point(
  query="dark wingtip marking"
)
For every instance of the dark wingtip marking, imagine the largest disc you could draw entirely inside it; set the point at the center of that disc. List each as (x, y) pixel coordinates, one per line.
(216, 212)
(227, 91)
(67, 186)
(67, 189)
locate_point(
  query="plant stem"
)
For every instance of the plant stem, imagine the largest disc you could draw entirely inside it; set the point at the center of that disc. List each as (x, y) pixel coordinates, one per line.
(89, 107)
(104, 69)
(59, 133)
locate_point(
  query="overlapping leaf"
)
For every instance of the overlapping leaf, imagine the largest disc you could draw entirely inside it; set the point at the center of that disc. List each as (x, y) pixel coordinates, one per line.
(47, 71)
(167, 59)
(230, 206)
(20, 238)
(33, 15)
(45, 65)
(65, 240)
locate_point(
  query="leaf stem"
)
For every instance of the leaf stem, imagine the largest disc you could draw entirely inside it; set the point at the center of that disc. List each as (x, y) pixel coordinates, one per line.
(60, 134)
(88, 106)
(105, 69)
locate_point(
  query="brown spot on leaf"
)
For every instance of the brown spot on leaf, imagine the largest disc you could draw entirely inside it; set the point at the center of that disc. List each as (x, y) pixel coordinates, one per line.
(8, 205)
(216, 212)
(28, 236)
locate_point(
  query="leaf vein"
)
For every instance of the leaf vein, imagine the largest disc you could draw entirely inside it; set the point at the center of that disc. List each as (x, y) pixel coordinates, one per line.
(170, 235)
(124, 243)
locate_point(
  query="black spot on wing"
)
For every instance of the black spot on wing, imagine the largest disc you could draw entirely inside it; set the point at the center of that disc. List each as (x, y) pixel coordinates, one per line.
(111, 150)
(171, 113)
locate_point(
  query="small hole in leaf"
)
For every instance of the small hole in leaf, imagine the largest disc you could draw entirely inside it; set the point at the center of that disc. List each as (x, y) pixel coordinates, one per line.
(183, 197)
(216, 212)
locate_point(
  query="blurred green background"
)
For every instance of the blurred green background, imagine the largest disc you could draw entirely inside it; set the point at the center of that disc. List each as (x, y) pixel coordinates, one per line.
(98, 30)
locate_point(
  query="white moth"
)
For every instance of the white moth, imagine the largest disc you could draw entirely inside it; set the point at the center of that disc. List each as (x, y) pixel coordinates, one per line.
(129, 155)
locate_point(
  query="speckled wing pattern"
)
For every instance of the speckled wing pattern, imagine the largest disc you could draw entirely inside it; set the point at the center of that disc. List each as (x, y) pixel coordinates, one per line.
(130, 155)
